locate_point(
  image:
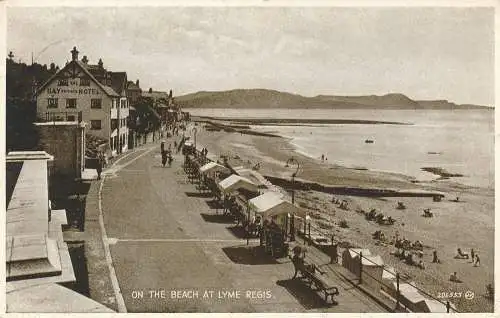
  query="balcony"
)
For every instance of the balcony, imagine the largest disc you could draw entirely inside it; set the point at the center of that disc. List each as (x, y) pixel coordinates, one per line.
(60, 116)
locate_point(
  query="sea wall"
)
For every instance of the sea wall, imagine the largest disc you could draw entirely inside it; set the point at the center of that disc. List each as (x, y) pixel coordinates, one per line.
(356, 191)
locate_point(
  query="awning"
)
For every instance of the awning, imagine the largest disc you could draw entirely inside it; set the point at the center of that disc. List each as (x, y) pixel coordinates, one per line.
(432, 305)
(252, 175)
(234, 182)
(271, 204)
(410, 293)
(372, 260)
(354, 252)
(213, 167)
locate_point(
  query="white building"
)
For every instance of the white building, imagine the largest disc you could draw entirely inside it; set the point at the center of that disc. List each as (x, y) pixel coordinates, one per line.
(88, 93)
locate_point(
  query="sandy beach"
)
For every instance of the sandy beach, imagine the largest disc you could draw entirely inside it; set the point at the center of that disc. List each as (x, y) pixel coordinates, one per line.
(468, 224)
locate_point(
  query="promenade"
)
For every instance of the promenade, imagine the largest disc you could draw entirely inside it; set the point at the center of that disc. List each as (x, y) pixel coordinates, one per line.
(164, 236)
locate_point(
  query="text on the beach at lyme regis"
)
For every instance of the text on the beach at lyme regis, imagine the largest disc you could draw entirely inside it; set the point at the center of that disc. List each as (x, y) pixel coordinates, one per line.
(205, 294)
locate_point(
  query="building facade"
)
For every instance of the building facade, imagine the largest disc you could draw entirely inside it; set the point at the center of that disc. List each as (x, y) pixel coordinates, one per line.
(89, 93)
(134, 92)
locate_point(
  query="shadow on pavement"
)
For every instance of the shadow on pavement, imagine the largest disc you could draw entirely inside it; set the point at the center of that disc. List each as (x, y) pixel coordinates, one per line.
(306, 296)
(238, 231)
(198, 194)
(72, 196)
(214, 204)
(217, 218)
(248, 255)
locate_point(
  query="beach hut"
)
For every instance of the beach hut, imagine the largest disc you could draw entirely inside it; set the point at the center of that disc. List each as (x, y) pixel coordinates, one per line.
(272, 205)
(373, 268)
(235, 182)
(433, 306)
(409, 296)
(350, 258)
(388, 278)
(252, 175)
(212, 167)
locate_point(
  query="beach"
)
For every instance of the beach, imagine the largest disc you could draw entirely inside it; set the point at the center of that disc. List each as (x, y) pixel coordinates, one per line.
(467, 224)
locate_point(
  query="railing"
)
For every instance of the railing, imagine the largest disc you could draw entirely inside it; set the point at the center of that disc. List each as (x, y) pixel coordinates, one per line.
(399, 299)
(61, 116)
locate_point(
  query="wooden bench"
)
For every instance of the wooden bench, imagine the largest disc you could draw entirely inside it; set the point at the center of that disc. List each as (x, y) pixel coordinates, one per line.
(311, 274)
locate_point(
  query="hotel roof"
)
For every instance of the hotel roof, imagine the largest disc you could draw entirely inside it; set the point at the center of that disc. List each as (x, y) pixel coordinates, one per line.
(118, 81)
(108, 90)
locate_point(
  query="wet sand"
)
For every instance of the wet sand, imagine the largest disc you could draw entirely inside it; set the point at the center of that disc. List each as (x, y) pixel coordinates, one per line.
(466, 224)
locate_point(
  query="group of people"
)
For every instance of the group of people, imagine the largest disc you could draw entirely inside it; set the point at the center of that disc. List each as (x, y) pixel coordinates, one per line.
(474, 256)
(378, 217)
(166, 154)
(343, 204)
(407, 257)
(204, 152)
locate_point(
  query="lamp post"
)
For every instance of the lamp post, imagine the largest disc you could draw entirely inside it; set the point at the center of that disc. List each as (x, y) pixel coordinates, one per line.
(306, 220)
(292, 220)
(194, 130)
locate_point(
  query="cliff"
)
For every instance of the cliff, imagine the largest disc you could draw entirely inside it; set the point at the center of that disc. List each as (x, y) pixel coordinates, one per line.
(263, 98)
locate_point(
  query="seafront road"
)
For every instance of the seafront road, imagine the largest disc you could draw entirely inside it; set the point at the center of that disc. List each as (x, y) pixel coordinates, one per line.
(171, 253)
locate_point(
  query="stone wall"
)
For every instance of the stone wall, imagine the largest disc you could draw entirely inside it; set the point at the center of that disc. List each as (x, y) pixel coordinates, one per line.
(66, 142)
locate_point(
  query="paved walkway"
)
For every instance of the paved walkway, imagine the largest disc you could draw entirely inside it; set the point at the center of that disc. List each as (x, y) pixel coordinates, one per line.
(170, 250)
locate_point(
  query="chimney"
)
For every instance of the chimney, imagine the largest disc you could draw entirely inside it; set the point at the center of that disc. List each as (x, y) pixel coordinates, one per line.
(85, 60)
(150, 90)
(137, 83)
(100, 63)
(74, 54)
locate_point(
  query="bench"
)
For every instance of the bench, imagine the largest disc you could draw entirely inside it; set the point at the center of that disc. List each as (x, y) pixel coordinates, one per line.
(311, 274)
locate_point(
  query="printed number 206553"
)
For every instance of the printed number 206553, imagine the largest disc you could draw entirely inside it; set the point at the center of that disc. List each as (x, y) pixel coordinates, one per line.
(449, 295)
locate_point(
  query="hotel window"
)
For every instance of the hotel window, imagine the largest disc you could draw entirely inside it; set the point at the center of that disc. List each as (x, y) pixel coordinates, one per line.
(122, 103)
(95, 124)
(62, 82)
(71, 103)
(52, 103)
(71, 118)
(114, 124)
(96, 103)
(84, 82)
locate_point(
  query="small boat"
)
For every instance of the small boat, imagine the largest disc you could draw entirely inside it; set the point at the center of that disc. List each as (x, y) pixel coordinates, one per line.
(369, 141)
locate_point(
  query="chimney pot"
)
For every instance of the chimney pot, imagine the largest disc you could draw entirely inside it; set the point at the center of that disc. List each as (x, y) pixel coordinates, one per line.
(74, 54)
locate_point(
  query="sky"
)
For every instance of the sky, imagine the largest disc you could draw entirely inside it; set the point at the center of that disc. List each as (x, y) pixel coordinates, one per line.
(424, 53)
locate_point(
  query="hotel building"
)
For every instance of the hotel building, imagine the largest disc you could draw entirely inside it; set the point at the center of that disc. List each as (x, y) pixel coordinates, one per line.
(89, 93)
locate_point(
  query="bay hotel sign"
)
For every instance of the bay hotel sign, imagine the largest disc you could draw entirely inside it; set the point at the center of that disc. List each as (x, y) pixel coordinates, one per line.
(79, 91)
(74, 89)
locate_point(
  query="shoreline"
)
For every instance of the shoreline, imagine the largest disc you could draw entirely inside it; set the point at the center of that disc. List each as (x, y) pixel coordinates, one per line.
(298, 121)
(437, 176)
(476, 229)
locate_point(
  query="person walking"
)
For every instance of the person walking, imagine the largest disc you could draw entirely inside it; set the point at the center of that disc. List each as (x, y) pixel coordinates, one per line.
(164, 158)
(170, 159)
(472, 254)
(99, 167)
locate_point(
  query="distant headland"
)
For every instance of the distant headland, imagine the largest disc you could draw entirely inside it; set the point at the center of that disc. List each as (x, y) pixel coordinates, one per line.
(264, 98)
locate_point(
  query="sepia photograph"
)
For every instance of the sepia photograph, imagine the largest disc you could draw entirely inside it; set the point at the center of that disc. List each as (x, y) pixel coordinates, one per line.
(250, 157)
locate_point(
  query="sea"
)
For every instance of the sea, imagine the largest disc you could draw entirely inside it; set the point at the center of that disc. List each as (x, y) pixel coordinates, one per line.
(458, 141)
